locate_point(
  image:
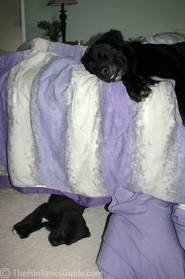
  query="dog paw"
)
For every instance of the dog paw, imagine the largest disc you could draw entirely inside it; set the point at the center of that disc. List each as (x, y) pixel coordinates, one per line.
(139, 96)
(21, 230)
(14, 231)
(138, 87)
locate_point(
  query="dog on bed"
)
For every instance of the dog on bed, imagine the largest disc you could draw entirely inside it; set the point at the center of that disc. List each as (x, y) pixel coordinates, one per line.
(61, 216)
(113, 59)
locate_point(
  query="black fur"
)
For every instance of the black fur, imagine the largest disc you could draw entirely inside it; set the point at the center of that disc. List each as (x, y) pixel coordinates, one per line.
(113, 59)
(62, 217)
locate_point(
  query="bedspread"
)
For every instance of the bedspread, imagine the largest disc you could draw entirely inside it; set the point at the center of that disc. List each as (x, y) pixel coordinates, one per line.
(62, 128)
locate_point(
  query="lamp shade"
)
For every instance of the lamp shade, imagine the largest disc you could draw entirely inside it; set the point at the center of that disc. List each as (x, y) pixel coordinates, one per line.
(59, 2)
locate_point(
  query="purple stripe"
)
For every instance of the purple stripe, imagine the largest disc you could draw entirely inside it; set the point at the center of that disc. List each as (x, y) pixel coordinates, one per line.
(114, 151)
(49, 123)
(6, 62)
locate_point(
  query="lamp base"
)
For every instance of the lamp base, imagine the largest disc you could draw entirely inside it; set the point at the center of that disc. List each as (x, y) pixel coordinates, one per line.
(63, 18)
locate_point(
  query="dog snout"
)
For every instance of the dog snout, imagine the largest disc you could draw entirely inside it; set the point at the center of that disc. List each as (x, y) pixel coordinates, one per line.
(110, 72)
(54, 242)
(55, 239)
(105, 71)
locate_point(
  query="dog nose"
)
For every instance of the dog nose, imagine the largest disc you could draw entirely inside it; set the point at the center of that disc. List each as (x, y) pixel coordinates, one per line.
(54, 242)
(105, 71)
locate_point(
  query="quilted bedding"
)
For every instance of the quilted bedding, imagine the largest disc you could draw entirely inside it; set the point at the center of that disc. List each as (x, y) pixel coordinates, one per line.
(63, 129)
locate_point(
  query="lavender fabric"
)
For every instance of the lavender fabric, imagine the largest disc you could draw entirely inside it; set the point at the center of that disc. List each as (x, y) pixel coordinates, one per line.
(178, 218)
(62, 129)
(49, 112)
(83, 200)
(7, 62)
(140, 241)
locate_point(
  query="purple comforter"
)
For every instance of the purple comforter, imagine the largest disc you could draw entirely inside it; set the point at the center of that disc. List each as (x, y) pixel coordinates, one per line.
(63, 129)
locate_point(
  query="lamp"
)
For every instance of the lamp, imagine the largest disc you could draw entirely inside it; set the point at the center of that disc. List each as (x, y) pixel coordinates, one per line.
(63, 16)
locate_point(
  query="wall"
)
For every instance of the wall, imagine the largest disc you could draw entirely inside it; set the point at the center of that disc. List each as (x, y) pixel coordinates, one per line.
(90, 17)
(10, 25)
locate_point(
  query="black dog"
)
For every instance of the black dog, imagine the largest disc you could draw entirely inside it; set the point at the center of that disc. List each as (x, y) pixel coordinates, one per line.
(61, 216)
(113, 59)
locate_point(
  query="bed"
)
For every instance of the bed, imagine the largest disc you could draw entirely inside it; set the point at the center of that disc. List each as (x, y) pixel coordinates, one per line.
(64, 131)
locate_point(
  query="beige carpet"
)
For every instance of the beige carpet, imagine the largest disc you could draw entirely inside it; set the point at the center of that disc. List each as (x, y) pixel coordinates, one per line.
(34, 257)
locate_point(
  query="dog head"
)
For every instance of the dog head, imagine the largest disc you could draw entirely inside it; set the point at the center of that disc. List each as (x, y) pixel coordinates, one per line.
(68, 228)
(106, 58)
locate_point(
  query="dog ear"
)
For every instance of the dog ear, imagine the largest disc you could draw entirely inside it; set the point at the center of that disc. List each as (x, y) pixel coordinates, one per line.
(112, 37)
(87, 232)
(85, 56)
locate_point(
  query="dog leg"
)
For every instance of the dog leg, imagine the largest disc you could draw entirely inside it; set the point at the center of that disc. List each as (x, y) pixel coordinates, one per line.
(138, 87)
(31, 223)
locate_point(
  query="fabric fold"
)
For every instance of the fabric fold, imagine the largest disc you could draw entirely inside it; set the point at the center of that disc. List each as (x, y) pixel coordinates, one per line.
(140, 240)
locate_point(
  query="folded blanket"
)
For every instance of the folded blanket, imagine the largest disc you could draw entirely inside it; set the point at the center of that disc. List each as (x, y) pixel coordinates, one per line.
(62, 128)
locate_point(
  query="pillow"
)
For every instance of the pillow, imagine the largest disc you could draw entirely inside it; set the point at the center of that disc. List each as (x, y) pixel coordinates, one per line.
(162, 38)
